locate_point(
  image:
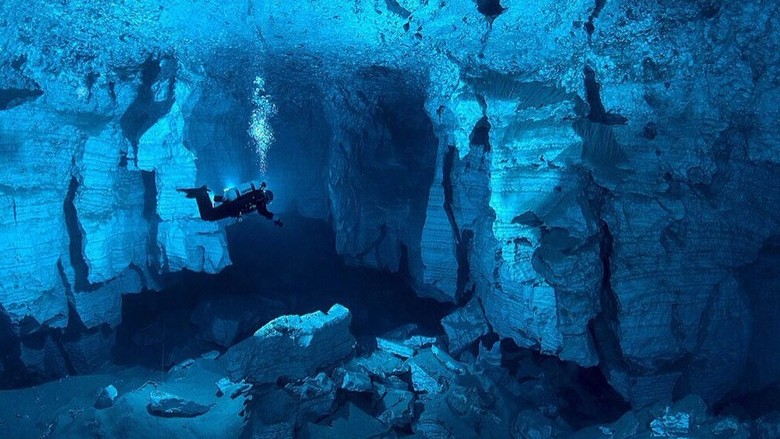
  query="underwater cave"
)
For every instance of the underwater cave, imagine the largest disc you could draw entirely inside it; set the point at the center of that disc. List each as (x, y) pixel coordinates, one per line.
(269, 219)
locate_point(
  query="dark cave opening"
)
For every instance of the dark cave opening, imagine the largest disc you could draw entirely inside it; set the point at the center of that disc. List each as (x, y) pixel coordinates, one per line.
(462, 238)
(583, 395)
(144, 111)
(589, 26)
(758, 392)
(12, 97)
(396, 8)
(13, 370)
(710, 9)
(401, 167)
(490, 8)
(598, 113)
(149, 181)
(295, 269)
(292, 270)
(480, 135)
(76, 240)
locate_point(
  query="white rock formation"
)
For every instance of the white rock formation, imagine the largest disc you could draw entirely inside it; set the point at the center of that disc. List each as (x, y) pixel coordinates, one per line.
(292, 347)
(596, 175)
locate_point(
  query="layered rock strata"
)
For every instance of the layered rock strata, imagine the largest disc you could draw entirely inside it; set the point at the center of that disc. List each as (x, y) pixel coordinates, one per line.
(292, 347)
(597, 176)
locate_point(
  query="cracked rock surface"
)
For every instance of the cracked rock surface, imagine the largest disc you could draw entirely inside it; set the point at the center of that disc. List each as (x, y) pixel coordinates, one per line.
(304, 344)
(590, 180)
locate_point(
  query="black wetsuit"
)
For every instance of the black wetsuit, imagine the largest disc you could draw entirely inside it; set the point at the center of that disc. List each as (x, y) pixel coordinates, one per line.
(244, 204)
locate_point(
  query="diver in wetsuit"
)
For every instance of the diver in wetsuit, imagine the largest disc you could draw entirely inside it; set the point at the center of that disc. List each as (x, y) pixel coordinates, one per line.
(235, 203)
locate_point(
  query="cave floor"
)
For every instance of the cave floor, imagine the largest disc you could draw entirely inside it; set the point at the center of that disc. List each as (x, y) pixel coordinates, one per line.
(65, 408)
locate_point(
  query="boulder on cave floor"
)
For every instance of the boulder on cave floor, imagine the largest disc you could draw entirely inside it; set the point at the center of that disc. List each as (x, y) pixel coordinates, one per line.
(178, 404)
(428, 393)
(292, 347)
(167, 405)
(106, 397)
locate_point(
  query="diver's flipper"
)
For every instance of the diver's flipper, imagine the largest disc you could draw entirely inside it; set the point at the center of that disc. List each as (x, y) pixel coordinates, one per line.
(193, 192)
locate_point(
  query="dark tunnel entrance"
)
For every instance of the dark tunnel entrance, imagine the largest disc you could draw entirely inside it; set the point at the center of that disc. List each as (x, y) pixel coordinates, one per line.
(373, 138)
(293, 270)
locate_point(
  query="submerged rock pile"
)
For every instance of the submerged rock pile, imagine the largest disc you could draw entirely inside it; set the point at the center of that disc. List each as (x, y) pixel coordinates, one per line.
(292, 347)
(404, 383)
(594, 181)
(401, 384)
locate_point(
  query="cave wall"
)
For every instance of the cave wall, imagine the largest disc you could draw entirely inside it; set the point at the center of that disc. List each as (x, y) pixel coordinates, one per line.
(595, 175)
(94, 134)
(380, 166)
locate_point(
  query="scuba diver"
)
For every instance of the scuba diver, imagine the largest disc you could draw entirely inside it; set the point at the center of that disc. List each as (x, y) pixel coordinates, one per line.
(235, 203)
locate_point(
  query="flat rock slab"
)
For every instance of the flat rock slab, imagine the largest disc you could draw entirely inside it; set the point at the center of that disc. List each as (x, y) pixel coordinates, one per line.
(397, 407)
(352, 380)
(395, 348)
(465, 326)
(167, 405)
(292, 346)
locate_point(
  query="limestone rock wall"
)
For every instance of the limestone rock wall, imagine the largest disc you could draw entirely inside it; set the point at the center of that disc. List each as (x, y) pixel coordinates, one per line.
(78, 203)
(598, 177)
(380, 165)
(682, 205)
(92, 126)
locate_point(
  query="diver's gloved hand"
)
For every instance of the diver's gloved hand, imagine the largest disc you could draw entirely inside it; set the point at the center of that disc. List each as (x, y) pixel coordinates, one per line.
(278, 223)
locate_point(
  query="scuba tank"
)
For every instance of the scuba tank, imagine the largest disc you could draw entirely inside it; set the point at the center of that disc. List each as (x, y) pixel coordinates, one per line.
(233, 193)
